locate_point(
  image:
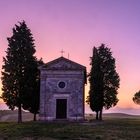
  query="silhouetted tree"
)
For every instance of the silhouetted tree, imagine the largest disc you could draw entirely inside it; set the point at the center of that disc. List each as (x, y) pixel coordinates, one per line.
(32, 102)
(95, 83)
(104, 81)
(136, 98)
(19, 69)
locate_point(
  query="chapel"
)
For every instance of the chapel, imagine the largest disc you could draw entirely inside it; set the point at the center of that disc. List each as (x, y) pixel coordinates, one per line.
(62, 87)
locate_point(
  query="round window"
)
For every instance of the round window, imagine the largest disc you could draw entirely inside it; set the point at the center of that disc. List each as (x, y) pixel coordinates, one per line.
(61, 84)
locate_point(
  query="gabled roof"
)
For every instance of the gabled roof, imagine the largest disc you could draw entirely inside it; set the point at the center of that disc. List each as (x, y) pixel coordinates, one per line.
(62, 63)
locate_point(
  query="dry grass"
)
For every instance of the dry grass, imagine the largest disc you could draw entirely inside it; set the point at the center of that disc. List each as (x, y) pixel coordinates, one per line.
(113, 127)
(11, 116)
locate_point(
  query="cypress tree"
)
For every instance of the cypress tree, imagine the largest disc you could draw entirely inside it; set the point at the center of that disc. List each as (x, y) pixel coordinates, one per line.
(104, 81)
(19, 69)
(32, 102)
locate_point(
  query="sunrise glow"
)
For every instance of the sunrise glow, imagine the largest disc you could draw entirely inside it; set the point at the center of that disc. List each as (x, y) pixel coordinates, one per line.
(76, 26)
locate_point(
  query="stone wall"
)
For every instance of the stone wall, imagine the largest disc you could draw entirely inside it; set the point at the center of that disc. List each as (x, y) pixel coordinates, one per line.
(73, 92)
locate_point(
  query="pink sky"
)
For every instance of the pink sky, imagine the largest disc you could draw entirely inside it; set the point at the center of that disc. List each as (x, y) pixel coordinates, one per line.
(76, 26)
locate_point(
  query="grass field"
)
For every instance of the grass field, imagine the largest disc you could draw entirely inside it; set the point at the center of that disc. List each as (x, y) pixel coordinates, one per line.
(113, 127)
(11, 116)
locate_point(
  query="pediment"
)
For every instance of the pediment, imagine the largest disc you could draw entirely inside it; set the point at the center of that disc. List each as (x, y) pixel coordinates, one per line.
(62, 64)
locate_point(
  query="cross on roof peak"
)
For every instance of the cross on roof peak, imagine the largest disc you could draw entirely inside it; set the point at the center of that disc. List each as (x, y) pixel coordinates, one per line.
(62, 52)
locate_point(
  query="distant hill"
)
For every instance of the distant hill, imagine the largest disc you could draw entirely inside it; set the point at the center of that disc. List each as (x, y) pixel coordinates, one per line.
(12, 116)
(134, 111)
(120, 115)
(126, 110)
(113, 116)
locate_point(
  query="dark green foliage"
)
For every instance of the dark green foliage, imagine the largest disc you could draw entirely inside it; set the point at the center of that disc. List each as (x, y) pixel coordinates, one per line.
(136, 98)
(103, 79)
(19, 69)
(95, 77)
(32, 102)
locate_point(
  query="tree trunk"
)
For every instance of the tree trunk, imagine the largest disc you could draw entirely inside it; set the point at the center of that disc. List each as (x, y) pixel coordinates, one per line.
(97, 115)
(100, 114)
(34, 116)
(19, 114)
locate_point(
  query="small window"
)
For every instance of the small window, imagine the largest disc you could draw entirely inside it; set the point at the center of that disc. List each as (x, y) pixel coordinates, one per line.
(61, 84)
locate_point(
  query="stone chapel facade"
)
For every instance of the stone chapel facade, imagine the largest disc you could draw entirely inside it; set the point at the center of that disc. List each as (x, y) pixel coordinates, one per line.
(62, 90)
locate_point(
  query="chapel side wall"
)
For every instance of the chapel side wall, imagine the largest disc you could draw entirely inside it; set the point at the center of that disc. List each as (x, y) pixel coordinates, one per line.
(42, 95)
(83, 91)
(83, 95)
